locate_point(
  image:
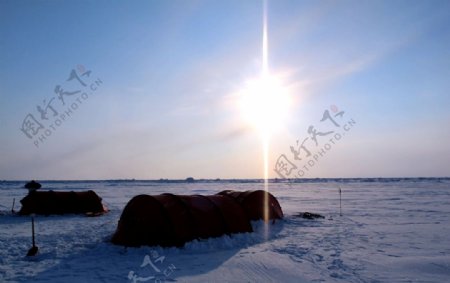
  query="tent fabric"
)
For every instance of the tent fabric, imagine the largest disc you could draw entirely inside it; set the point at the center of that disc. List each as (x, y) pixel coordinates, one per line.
(172, 220)
(251, 200)
(57, 202)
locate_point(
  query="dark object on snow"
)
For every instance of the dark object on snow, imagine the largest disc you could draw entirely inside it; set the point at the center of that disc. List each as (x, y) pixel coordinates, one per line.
(34, 249)
(51, 202)
(309, 215)
(173, 220)
(190, 180)
(32, 186)
(251, 202)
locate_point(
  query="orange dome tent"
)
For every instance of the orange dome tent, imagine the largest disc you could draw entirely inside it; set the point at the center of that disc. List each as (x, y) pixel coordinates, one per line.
(173, 220)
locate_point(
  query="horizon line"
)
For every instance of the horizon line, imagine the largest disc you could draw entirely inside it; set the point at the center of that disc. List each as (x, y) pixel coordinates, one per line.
(186, 180)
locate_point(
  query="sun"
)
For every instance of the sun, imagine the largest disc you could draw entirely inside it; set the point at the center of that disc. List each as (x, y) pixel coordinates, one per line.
(264, 103)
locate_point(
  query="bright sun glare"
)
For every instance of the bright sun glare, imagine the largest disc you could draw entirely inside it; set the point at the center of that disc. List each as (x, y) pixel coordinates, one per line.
(264, 103)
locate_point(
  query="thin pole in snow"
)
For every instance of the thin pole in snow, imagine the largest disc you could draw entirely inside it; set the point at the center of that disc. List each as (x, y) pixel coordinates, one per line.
(33, 251)
(32, 229)
(14, 202)
(340, 201)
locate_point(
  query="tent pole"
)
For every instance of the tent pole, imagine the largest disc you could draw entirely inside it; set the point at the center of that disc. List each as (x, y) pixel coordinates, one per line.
(32, 229)
(33, 251)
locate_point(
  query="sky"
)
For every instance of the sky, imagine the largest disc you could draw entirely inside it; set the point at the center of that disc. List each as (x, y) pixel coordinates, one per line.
(153, 89)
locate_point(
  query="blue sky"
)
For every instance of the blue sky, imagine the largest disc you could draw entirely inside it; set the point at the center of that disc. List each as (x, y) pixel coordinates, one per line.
(167, 106)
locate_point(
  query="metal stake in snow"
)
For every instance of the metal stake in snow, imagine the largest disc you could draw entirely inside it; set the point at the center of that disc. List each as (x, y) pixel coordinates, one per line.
(33, 251)
(340, 201)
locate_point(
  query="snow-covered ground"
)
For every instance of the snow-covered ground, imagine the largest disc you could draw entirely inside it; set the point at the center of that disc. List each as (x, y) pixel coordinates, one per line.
(390, 231)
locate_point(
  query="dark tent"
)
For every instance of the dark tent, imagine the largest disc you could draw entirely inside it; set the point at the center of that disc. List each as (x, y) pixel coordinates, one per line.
(251, 202)
(51, 202)
(173, 220)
